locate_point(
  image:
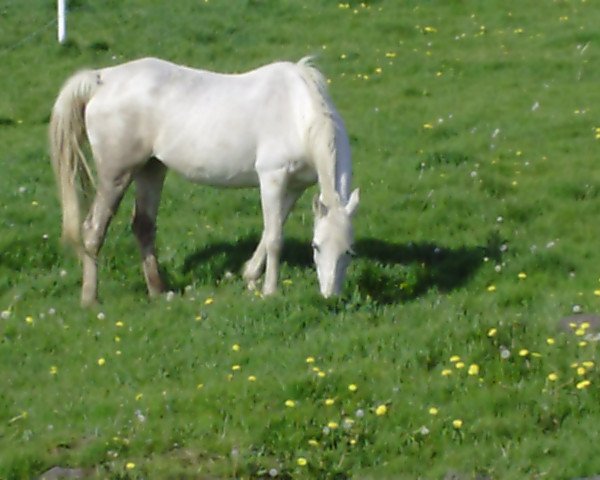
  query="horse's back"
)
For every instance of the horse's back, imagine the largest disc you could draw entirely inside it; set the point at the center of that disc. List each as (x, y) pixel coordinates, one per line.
(211, 127)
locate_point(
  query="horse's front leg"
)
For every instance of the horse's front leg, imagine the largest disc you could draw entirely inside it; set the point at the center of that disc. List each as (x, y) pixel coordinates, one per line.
(273, 185)
(254, 267)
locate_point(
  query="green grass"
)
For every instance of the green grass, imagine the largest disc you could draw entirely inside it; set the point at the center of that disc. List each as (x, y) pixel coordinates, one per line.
(474, 128)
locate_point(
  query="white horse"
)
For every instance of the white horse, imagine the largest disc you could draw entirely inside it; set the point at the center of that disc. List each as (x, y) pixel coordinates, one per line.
(274, 128)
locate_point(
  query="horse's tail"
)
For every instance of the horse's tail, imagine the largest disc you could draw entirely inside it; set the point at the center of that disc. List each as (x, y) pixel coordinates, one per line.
(322, 131)
(67, 134)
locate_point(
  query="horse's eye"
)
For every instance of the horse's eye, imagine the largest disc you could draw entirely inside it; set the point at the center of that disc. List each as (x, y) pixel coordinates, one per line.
(315, 247)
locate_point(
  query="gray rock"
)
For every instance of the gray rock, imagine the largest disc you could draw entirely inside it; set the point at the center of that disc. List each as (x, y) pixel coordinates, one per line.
(590, 318)
(58, 473)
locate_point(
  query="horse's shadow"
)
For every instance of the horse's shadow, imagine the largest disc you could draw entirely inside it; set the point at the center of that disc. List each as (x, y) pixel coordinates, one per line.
(385, 271)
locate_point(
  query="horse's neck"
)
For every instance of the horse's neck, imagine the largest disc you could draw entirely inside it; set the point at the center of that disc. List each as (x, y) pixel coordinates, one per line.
(343, 177)
(334, 182)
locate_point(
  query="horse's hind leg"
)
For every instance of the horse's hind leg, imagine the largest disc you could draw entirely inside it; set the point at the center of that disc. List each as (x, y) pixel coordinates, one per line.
(108, 196)
(254, 267)
(148, 182)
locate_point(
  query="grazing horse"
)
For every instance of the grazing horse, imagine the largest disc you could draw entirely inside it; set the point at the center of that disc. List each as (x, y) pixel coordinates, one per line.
(274, 128)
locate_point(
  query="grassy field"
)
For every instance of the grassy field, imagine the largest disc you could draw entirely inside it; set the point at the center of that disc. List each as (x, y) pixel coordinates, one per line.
(475, 128)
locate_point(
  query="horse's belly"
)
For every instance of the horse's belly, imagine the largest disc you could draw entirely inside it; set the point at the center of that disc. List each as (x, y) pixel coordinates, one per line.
(222, 177)
(225, 171)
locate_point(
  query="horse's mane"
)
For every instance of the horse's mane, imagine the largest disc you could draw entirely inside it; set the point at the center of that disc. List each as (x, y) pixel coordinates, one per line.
(322, 132)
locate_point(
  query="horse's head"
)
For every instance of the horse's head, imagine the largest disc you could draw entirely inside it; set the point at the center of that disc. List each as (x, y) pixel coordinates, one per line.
(333, 241)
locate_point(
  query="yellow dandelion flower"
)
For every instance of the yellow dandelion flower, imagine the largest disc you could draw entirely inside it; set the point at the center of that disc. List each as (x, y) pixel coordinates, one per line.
(251, 378)
(29, 319)
(302, 462)
(139, 396)
(381, 410)
(290, 403)
(130, 466)
(329, 402)
(454, 358)
(427, 126)
(313, 443)
(581, 371)
(491, 288)
(550, 341)
(522, 275)
(473, 369)
(119, 324)
(333, 425)
(553, 377)
(236, 368)
(117, 339)
(580, 332)
(583, 384)
(446, 372)
(310, 359)
(433, 411)
(523, 352)
(235, 347)
(200, 386)
(582, 344)
(457, 423)
(321, 374)
(352, 387)
(209, 301)
(101, 361)
(492, 332)
(588, 364)
(574, 365)
(53, 370)
(585, 325)
(459, 365)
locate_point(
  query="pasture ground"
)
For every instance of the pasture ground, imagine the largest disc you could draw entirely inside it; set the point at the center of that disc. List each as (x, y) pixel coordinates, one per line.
(475, 129)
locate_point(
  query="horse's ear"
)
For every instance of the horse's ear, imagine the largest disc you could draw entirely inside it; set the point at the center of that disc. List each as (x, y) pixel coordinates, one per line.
(352, 204)
(319, 208)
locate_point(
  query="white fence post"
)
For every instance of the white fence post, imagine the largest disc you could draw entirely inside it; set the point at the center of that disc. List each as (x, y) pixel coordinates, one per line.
(62, 21)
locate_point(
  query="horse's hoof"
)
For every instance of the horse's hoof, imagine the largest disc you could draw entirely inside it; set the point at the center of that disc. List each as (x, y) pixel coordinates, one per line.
(89, 302)
(267, 292)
